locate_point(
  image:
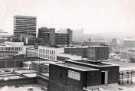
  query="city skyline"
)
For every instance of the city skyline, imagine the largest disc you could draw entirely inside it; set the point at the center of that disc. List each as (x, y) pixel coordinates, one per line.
(96, 16)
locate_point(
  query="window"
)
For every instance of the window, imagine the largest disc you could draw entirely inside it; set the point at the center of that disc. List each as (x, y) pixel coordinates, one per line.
(73, 75)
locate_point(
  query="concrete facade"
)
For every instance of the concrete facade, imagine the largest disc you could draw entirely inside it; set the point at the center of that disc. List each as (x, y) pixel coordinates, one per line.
(48, 36)
(25, 29)
(75, 76)
(11, 49)
(91, 52)
(44, 52)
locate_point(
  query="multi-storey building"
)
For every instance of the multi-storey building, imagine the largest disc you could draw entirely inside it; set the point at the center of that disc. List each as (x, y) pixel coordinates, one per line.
(25, 29)
(95, 53)
(48, 36)
(44, 52)
(82, 75)
(11, 48)
(63, 38)
(11, 61)
(42, 66)
(47, 53)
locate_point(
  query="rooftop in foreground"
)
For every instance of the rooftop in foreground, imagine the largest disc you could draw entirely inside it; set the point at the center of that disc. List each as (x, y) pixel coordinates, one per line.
(76, 67)
(93, 63)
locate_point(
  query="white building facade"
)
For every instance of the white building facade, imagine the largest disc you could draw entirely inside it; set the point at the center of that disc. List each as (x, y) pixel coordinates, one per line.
(11, 48)
(44, 52)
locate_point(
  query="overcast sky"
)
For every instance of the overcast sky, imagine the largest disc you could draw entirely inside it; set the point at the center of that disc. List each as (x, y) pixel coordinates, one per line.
(94, 16)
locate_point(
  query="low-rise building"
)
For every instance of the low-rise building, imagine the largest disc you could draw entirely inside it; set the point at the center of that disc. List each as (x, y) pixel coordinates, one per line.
(12, 61)
(44, 52)
(11, 48)
(91, 52)
(79, 75)
(42, 66)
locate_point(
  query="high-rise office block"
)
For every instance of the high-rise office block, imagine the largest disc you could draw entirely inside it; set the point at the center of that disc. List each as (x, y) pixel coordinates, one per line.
(63, 38)
(48, 36)
(25, 29)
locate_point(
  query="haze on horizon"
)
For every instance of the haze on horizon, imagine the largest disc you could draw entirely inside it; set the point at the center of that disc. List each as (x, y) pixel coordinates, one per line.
(93, 16)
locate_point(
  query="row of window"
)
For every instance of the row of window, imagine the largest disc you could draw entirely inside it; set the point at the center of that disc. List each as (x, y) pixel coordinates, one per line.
(46, 51)
(49, 57)
(10, 48)
(42, 53)
(8, 54)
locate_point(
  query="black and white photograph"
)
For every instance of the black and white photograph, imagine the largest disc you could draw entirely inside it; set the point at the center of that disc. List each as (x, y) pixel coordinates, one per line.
(67, 45)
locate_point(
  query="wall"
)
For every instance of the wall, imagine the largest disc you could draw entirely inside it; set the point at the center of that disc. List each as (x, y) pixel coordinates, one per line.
(92, 53)
(113, 71)
(93, 78)
(59, 79)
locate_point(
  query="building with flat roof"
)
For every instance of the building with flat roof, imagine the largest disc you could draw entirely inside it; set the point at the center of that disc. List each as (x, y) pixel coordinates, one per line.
(11, 49)
(81, 76)
(48, 36)
(91, 52)
(14, 61)
(44, 52)
(25, 29)
(63, 57)
(49, 53)
(42, 66)
(63, 38)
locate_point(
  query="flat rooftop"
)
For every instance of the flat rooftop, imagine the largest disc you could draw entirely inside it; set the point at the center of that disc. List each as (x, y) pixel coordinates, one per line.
(87, 46)
(9, 74)
(46, 62)
(91, 63)
(73, 57)
(76, 67)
